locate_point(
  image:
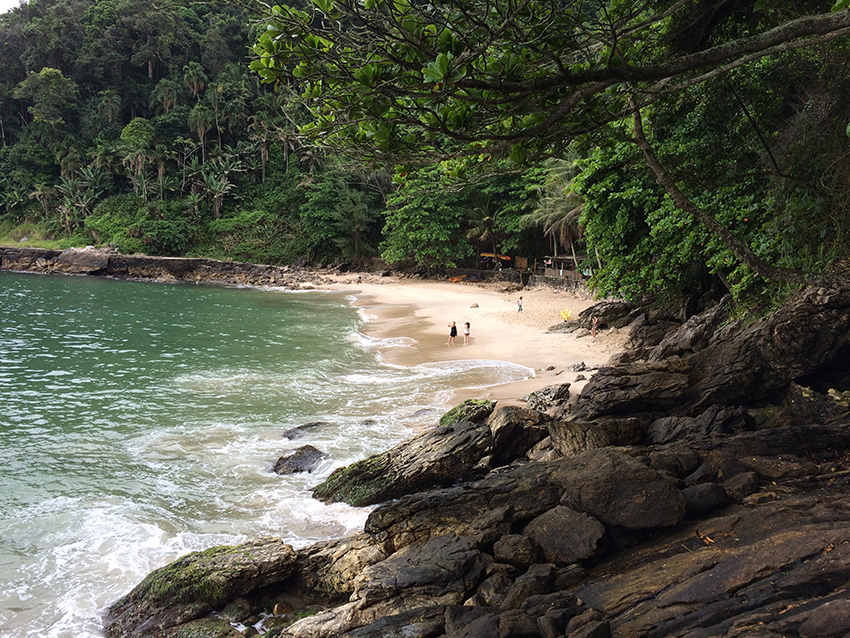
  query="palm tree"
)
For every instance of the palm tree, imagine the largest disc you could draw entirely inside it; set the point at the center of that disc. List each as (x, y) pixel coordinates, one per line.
(194, 78)
(483, 226)
(260, 123)
(43, 194)
(217, 188)
(165, 95)
(558, 210)
(200, 120)
(103, 156)
(109, 104)
(135, 161)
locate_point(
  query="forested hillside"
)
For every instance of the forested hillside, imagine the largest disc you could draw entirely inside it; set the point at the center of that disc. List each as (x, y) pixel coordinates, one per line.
(142, 126)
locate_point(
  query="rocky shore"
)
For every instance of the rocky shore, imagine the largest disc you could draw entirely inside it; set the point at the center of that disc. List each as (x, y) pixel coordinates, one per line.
(696, 486)
(109, 263)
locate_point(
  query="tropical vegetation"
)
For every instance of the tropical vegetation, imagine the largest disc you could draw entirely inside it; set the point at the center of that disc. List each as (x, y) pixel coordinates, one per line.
(666, 146)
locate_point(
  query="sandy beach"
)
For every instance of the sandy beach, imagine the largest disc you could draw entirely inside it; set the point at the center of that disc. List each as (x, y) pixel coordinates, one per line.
(423, 309)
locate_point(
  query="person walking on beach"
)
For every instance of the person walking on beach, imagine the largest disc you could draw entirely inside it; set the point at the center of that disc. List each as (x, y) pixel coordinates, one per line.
(595, 326)
(452, 333)
(466, 334)
(519, 305)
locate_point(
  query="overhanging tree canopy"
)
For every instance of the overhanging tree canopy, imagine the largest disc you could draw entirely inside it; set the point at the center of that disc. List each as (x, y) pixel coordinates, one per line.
(524, 75)
(520, 77)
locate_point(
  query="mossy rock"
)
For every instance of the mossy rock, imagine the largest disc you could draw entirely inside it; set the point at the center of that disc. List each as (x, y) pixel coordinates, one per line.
(193, 586)
(356, 484)
(472, 410)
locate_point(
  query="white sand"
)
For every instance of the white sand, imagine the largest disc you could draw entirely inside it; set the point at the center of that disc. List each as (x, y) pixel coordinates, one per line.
(422, 310)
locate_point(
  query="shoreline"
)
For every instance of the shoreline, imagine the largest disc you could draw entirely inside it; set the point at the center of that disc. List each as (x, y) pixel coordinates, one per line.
(420, 310)
(396, 307)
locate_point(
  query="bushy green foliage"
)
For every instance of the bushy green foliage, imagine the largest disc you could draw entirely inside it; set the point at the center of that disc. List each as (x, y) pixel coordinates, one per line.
(117, 220)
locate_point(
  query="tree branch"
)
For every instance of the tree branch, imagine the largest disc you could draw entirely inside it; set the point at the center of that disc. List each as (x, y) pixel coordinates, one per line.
(738, 248)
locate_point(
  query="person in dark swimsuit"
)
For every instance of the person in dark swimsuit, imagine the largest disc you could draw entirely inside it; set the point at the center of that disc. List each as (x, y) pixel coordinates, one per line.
(452, 333)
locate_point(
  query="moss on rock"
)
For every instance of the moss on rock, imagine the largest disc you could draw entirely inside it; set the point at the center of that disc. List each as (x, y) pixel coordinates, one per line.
(472, 410)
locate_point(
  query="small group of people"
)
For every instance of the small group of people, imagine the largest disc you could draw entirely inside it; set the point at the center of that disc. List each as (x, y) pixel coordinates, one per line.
(453, 333)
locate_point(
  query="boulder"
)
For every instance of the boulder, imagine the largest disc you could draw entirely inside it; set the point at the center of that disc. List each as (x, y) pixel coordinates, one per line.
(471, 410)
(572, 436)
(705, 498)
(515, 431)
(82, 260)
(301, 430)
(446, 565)
(193, 586)
(807, 337)
(435, 458)
(516, 550)
(636, 387)
(619, 490)
(549, 397)
(565, 536)
(304, 459)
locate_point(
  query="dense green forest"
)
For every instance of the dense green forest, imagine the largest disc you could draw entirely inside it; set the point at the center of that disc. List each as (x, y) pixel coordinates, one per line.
(142, 126)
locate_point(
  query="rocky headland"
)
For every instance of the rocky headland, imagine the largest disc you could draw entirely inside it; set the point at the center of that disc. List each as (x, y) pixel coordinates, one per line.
(696, 486)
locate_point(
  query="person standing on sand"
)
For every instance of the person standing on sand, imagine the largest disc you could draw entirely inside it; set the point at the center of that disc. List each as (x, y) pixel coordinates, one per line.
(466, 334)
(452, 333)
(519, 305)
(595, 325)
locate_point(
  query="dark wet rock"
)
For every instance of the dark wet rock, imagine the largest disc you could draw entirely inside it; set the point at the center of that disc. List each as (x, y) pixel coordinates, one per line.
(678, 461)
(777, 468)
(302, 430)
(705, 498)
(422, 622)
(693, 335)
(517, 550)
(444, 565)
(647, 335)
(458, 617)
(565, 536)
(494, 589)
(517, 624)
(585, 618)
(618, 490)
(197, 584)
(636, 387)
(546, 398)
(471, 410)
(435, 458)
(304, 459)
(612, 314)
(515, 431)
(809, 336)
(572, 436)
(741, 485)
(593, 629)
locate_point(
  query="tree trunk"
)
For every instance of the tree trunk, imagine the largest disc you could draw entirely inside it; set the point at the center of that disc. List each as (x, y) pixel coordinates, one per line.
(738, 248)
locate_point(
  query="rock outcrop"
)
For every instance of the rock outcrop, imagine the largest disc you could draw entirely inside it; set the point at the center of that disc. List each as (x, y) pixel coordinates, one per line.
(697, 486)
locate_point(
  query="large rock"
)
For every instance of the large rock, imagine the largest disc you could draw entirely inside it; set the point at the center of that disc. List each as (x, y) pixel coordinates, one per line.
(82, 261)
(807, 338)
(435, 458)
(619, 490)
(515, 431)
(193, 586)
(565, 536)
(572, 437)
(636, 387)
(304, 459)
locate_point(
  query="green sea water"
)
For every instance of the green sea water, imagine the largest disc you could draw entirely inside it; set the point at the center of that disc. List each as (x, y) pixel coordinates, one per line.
(141, 421)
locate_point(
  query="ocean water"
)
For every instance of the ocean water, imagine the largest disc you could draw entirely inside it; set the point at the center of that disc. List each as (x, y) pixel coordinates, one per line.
(140, 422)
